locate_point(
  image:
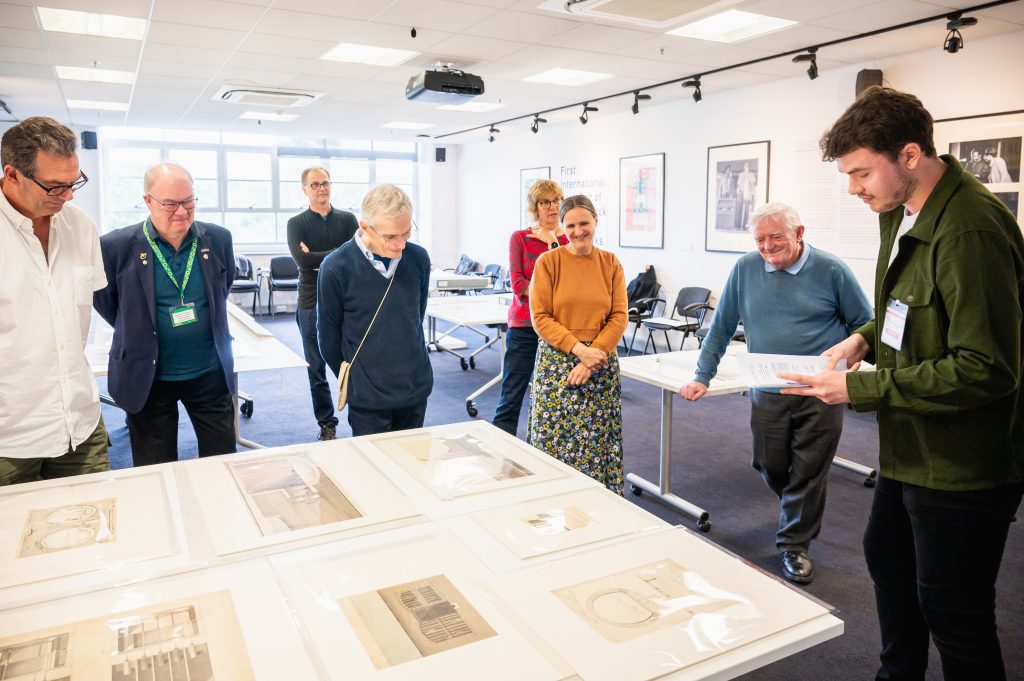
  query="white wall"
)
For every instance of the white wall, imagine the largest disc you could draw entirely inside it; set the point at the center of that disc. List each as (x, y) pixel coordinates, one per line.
(791, 113)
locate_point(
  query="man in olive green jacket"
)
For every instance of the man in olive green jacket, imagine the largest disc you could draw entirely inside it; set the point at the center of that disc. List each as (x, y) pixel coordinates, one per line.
(947, 345)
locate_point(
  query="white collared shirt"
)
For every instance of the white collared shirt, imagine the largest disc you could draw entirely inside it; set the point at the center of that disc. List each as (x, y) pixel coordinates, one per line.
(48, 395)
(385, 272)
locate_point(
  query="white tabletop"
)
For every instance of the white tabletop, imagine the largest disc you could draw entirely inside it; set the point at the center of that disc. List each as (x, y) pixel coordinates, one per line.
(468, 310)
(673, 370)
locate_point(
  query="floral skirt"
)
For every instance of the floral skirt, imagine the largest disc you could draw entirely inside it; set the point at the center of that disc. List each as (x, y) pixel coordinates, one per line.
(579, 425)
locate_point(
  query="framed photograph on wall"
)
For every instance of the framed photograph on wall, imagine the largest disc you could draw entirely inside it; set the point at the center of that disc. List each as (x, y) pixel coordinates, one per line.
(527, 176)
(737, 185)
(988, 147)
(642, 201)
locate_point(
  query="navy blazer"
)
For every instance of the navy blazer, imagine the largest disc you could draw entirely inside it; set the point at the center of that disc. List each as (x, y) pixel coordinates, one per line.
(128, 303)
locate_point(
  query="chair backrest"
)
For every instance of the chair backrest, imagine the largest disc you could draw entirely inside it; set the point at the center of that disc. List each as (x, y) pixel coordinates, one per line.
(688, 296)
(283, 267)
(466, 265)
(243, 268)
(493, 271)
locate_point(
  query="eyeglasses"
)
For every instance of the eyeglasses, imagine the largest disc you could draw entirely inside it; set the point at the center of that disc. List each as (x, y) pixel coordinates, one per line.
(547, 203)
(392, 238)
(58, 189)
(170, 206)
(316, 186)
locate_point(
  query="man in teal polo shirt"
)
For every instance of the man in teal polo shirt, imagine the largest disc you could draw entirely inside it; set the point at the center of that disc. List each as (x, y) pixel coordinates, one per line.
(948, 347)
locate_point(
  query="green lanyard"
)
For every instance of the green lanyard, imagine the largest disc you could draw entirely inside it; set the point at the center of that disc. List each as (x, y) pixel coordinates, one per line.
(167, 268)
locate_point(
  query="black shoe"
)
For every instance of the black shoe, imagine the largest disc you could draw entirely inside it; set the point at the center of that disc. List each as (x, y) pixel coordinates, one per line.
(327, 432)
(797, 567)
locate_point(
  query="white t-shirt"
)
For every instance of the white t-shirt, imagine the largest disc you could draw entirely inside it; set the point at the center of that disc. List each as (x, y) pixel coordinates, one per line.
(48, 395)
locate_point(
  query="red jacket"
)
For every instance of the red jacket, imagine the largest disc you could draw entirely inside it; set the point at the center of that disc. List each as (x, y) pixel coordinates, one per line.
(522, 256)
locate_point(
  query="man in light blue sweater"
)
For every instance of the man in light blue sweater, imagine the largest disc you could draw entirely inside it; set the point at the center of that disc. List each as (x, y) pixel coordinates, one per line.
(793, 300)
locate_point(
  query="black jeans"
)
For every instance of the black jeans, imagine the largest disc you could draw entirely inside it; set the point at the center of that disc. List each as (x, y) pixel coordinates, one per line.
(154, 430)
(319, 390)
(520, 355)
(934, 556)
(372, 421)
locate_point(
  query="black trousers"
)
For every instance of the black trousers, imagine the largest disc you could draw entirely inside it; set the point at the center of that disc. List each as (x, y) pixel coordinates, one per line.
(154, 430)
(520, 356)
(934, 557)
(316, 370)
(371, 421)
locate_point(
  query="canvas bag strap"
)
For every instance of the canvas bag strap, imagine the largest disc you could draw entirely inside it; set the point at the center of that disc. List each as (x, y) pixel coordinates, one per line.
(391, 280)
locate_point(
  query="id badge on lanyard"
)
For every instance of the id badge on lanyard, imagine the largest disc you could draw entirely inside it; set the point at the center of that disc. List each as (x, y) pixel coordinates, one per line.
(895, 323)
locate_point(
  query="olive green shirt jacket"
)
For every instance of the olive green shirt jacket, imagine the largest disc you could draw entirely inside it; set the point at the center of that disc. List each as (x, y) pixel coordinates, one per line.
(949, 401)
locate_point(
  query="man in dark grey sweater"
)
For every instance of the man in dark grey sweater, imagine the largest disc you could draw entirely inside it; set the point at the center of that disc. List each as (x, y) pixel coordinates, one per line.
(312, 235)
(372, 295)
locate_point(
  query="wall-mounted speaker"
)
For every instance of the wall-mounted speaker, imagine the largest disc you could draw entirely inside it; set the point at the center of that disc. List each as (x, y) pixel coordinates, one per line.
(89, 139)
(866, 78)
(439, 154)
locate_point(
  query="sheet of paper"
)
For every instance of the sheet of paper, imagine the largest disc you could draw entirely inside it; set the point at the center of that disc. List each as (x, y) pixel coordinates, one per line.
(762, 371)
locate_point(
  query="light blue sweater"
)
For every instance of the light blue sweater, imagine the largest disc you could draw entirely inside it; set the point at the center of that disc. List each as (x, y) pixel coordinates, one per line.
(803, 310)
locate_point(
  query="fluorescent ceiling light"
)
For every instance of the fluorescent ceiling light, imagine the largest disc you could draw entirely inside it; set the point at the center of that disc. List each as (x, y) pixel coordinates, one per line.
(100, 106)
(570, 77)
(472, 107)
(94, 75)
(406, 125)
(368, 54)
(731, 27)
(90, 23)
(267, 116)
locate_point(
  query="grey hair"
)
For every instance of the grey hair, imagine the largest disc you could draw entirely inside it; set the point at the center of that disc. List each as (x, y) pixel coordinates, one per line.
(307, 171)
(22, 142)
(386, 199)
(154, 171)
(576, 201)
(780, 212)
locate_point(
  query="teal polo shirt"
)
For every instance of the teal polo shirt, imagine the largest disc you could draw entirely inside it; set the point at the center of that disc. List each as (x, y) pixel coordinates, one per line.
(186, 351)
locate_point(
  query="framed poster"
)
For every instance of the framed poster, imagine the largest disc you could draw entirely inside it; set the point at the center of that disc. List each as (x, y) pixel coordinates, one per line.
(642, 201)
(737, 183)
(527, 176)
(988, 147)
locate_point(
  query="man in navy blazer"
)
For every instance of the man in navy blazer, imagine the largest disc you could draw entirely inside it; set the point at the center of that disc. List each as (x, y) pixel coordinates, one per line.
(168, 280)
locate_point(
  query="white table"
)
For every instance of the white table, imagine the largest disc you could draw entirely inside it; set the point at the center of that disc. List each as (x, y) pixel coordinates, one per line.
(671, 371)
(469, 312)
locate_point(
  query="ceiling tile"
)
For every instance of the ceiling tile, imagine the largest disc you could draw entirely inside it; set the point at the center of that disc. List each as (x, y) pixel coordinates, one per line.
(16, 37)
(595, 37)
(520, 25)
(209, 14)
(18, 16)
(442, 15)
(185, 35)
(312, 26)
(193, 55)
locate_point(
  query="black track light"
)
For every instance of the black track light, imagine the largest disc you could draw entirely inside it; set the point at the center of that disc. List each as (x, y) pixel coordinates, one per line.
(695, 84)
(954, 41)
(492, 132)
(584, 117)
(537, 120)
(636, 100)
(811, 56)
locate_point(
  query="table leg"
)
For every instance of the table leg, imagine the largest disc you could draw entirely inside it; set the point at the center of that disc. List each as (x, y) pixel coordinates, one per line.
(869, 473)
(470, 407)
(238, 432)
(661, 490)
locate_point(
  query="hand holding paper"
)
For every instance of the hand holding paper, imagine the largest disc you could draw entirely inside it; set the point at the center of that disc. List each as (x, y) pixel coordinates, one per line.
(782, 371)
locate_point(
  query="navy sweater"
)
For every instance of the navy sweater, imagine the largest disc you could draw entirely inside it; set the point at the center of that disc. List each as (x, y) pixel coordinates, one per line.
(393, 369)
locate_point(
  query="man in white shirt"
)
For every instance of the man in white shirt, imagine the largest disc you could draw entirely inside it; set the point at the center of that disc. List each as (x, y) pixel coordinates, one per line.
(50, 424)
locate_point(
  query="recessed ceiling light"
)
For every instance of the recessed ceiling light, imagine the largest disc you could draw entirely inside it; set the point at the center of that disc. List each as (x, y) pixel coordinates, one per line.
(472, 107)
(268, 116)
(368, 54)
(90, 23)
(94, 104)
(570, 77)
(731, 27)
(406, 125)
(95, 75)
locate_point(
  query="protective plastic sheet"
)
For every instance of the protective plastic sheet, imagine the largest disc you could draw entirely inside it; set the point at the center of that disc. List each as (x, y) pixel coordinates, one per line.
(409, 610)
(656, 604)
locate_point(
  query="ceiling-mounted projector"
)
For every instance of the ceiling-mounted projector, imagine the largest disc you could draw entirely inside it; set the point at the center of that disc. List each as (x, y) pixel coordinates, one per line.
(444, 86)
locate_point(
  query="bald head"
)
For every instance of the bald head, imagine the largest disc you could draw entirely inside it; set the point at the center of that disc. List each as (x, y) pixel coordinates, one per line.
(164, 170)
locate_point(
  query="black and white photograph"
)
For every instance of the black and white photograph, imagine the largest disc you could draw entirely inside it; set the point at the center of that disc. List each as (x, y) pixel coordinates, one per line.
(737, 177)
(993, 161)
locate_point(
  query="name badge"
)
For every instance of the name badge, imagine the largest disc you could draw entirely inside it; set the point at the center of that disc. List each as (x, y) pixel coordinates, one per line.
(895, 322)
(183, 314)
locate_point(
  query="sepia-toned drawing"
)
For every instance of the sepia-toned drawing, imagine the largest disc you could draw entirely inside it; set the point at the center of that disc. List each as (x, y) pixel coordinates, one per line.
(192, 639)
(635, 602)
(459, 464)
(558, 520)
(60, 528)
(410, 621)
(290, 492)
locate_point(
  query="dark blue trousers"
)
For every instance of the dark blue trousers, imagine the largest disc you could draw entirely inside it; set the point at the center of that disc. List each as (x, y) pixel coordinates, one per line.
(373, 421)
(319, 389)
(934, 556)
(520, 355)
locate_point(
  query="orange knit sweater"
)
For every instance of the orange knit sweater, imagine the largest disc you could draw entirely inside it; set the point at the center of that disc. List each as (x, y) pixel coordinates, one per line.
(578, 298)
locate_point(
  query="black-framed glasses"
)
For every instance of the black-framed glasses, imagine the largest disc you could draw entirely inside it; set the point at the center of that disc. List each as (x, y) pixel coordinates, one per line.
(171, 206)
(391, 238)
(58, 189)
(547, 203)
(316, 186)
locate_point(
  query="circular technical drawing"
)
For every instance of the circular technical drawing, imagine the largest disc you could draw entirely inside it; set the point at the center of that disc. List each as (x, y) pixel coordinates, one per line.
(68, 515)
(622, 608)
(68, 538)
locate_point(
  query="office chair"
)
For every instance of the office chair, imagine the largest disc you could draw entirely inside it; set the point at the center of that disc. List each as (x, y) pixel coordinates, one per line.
(643, 294)
(705, 326)
(246, 281)
(284, 276)
(687, 316)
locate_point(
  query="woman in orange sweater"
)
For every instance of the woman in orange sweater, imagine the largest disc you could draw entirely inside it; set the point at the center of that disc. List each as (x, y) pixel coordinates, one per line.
(578, 305)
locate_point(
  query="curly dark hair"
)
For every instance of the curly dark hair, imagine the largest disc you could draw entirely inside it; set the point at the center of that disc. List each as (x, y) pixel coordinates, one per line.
(883, 120)
(21, 142)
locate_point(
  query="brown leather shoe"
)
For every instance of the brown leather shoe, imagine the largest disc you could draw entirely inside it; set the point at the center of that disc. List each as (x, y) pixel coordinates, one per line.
(797, 567)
